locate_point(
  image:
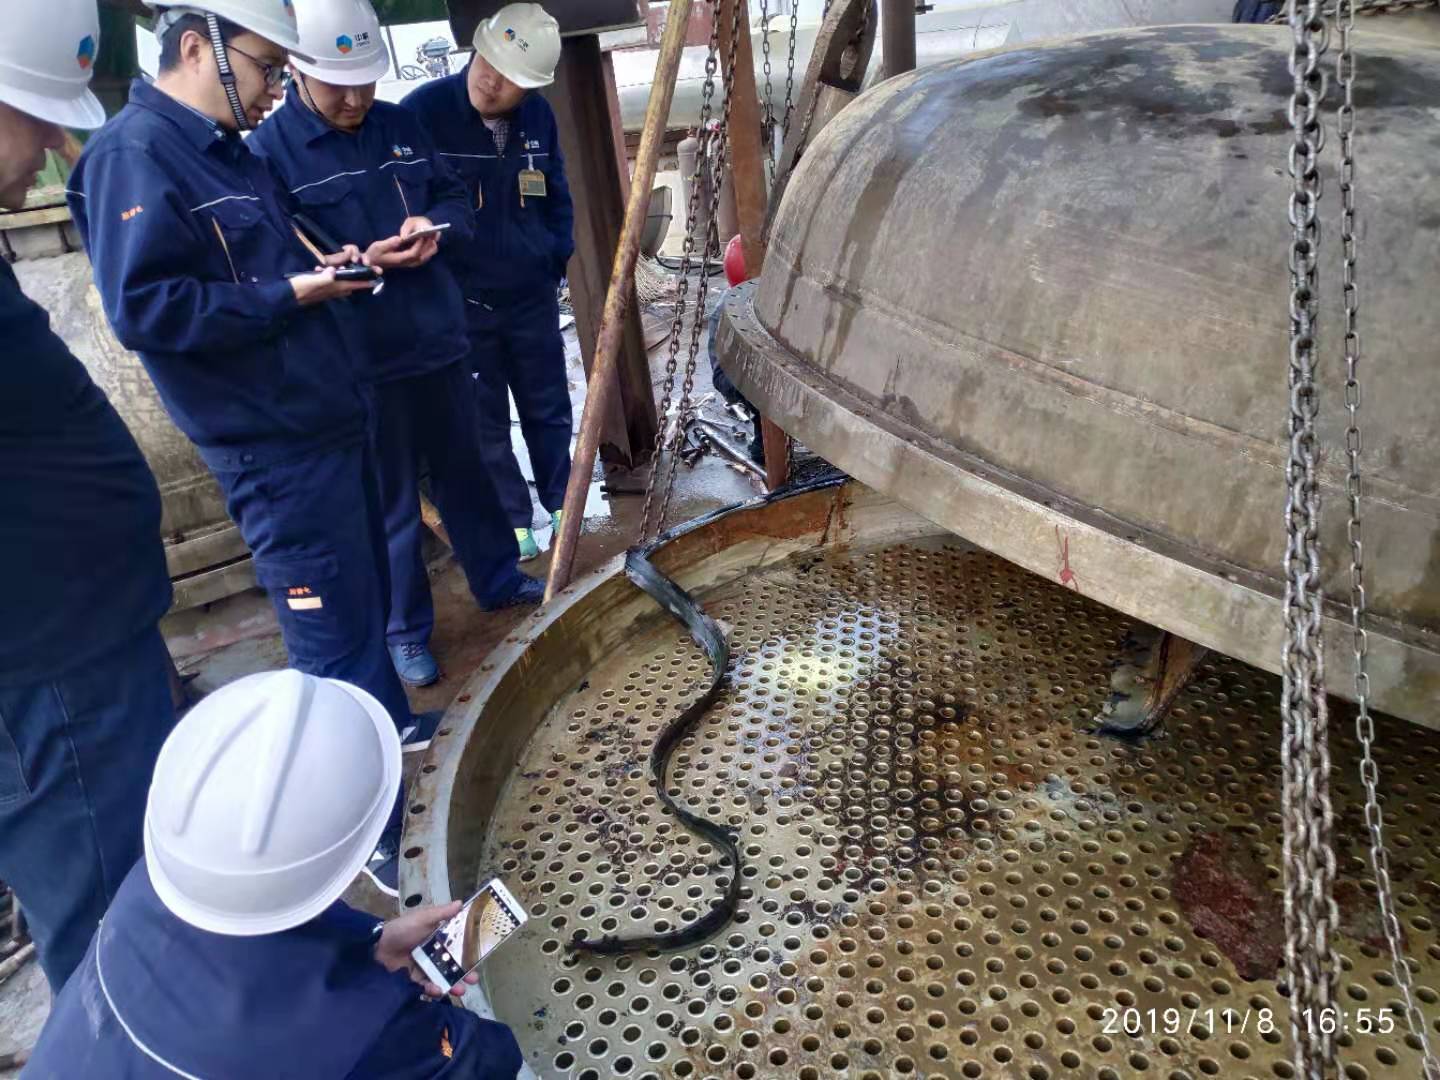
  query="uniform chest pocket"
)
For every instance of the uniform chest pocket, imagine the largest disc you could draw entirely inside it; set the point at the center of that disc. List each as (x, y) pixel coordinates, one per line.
(246, 241)
(410, 178)
(335, 208)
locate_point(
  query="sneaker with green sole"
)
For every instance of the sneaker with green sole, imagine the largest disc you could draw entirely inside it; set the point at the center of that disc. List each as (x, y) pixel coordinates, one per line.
(528, 548)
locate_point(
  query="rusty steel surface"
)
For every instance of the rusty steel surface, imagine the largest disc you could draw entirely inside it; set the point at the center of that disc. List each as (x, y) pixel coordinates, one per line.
(949, 872)
(1034, 296)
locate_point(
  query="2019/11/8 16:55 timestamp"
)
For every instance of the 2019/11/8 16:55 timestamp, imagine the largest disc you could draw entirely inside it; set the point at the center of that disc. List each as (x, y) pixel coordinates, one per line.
(1329, 1021)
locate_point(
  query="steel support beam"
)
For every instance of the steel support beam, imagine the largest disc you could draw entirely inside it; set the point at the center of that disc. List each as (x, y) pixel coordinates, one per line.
(747, 177)
(587, 139)
(897, 36)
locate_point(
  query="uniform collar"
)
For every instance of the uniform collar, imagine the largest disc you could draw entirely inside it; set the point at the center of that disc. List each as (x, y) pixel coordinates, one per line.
(201, 131)
(312, 124)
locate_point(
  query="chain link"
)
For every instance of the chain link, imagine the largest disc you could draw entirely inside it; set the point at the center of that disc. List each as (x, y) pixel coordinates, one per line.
(790, 71)
(767, 112)
(1364, 723)
(714, 145)
(687, 256)
(720, 168)
(1309, 858)
(1365, 7)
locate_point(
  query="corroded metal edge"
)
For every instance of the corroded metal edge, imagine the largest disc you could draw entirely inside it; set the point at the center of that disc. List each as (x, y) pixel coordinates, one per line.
(1134, 570)
(486, 728)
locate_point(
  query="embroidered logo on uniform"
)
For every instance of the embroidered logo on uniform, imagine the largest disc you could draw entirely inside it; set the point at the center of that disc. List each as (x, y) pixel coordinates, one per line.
(446, 1050)
(85, 52)
(126, 215)
(303, 598)
(401, 151)
(344, 44)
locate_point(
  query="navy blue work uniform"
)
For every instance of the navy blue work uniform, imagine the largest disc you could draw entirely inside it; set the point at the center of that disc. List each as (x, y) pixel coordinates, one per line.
(190, 241)
(510, 274)
(361, 186)
(157, 998)
(84, 691)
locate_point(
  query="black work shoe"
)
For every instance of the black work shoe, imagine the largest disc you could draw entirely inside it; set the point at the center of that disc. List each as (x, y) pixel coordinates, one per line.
(529, 591)
(384, 869)
(417, 734)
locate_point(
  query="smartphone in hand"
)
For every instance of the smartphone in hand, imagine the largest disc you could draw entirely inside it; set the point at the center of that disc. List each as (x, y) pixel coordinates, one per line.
(430, 231)
(458, 946)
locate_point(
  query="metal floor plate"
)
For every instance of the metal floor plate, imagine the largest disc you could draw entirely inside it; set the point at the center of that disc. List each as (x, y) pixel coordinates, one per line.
(947, 873)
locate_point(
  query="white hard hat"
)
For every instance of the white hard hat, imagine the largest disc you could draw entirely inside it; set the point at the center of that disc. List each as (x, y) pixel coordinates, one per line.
(273, 20)
(47, 55)
(522, 42)
(268, 798)
(343, 37)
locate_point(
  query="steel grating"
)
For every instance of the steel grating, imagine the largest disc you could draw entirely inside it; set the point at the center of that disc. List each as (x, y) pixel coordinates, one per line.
(948, 874)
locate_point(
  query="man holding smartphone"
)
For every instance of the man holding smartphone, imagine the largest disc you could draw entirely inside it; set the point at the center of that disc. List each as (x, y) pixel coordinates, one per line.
(227, 951)
(365, 170)
(251, 346)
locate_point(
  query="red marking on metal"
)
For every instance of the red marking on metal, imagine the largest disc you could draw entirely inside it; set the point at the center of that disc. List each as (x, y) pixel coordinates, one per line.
(1066, 576)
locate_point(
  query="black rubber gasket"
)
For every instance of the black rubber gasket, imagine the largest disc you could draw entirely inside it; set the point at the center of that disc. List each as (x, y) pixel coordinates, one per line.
(706, 633)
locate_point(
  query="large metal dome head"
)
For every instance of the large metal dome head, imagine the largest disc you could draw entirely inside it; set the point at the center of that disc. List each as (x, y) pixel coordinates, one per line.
(1040, 296)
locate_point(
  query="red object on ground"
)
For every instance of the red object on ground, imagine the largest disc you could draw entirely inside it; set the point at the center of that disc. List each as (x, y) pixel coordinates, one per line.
(735, 261)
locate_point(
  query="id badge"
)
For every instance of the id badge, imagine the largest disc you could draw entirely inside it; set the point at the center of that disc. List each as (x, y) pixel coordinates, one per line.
(532, 185)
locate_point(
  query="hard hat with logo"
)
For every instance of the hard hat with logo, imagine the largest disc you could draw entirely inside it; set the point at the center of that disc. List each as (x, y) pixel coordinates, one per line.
(268, 798)
(273, 20)
(344, 38)
(47, 55)
(522, 42)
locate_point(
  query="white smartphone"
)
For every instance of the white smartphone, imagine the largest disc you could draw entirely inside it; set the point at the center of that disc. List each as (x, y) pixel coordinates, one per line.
(428, 231)
(458, 946)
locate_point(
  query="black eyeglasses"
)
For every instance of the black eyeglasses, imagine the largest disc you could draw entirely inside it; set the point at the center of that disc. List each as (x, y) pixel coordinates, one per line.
(274, 73)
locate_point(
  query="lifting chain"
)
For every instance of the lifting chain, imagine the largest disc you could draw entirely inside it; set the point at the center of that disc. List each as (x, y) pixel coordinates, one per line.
(1366, 7)
(790, 71)
(767, 111)
(1364, 723)
(1309, 857)
(714, 143)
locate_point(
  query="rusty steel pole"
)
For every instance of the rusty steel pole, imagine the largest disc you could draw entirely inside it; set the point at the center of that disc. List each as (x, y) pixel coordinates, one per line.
(897, 36)
(747, 172)
(602, 385)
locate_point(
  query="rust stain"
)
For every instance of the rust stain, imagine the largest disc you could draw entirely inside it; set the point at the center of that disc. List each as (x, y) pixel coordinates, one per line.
(1222, 885)
(1066, 575)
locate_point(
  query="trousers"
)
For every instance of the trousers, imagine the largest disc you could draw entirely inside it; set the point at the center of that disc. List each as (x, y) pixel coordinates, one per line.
(430, 419)
(516, 348)
(316, 531)
(76, 756)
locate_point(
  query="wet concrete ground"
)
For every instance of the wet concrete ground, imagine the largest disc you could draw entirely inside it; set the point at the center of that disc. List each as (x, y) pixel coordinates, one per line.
(238, 636)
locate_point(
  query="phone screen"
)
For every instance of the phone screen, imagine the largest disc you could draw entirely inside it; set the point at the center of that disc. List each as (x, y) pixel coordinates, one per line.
(488, 918)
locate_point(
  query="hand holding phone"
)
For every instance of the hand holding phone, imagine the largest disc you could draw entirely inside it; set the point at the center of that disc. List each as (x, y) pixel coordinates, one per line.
(427, 230)
(461, 943)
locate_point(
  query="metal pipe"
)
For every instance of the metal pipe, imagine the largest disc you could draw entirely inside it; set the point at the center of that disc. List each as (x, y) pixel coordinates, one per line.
(14, 963)
(716, 438)
(897, 36)
(603, 384)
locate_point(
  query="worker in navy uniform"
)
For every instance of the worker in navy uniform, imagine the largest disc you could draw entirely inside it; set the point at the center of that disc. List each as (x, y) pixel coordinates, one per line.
(227, 953)
(252, 347)
(365, 170)
(501, 138)
(84, 693)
